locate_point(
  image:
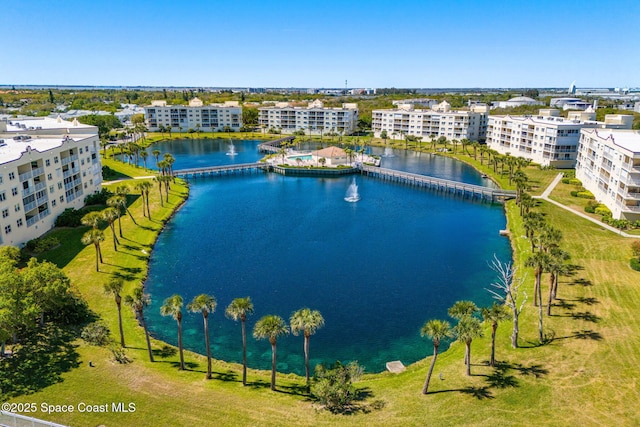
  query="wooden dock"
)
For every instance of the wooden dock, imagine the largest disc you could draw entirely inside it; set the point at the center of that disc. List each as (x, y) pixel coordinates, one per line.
(222, 170)
(273, 146)
(438, 184)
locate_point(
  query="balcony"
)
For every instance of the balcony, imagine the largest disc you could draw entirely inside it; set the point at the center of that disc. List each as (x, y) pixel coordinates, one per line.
(25, 176)
(30, 206)
(32, 220)
(69, 159)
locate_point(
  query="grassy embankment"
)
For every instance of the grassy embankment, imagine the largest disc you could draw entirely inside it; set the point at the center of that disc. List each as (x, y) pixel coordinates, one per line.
(585, 375)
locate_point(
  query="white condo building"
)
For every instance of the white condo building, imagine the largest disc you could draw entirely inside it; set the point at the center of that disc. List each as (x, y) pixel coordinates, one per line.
(196, 116)
(547, 139)
(438, 121)
(314, 118)
(608, 165)
(47, 166)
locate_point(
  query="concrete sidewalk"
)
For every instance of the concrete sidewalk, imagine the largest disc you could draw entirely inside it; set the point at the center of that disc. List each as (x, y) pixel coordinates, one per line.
(545, 197)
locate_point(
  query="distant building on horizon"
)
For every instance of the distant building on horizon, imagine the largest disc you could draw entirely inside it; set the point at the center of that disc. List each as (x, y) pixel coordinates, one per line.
(196, 116)
(315, 118)
(518, 101)
(547, 139)
(48, 165)
(438, 121)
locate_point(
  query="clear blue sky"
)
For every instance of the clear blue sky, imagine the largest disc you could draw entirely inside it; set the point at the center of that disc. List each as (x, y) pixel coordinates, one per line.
(321, 43)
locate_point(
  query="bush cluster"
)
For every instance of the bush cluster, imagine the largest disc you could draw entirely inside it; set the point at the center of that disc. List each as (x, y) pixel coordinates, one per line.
(96, 333)
(572, 181)
(635, 264)
(98, 198)
(70, 218)
(40, 245)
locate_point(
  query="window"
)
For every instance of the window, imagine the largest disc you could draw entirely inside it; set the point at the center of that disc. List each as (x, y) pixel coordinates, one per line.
(53, 202)
(3, 197)
(47, 162)
(0, 179)
(17, 207)
(49, 177)
(51, 189)
(5, 212)
(7, 229)
(14, 191)
(80, 150)
(59, 186)
(12, 176)
(19, 222)
(55, 159)
(61, 199)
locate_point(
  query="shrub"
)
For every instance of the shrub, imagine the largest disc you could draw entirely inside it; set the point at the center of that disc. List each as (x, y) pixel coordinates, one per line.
(572, 181)
(40, 245)
(96, 333)
(585, 194)
(603, 210)
(574, 193)
(108, 173)
(69, 218)
(635, 264)
(98, 198)
(589, 209)
(635, 248)
(333, 387)
(120, 355)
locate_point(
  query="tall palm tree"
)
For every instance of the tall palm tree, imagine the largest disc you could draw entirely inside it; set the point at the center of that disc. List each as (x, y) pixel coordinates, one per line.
(156, 154)
(92, 219)
(494, 314)
(540, 262)
(114, 287)
(436, 330)
(173, 307)
(462, 309)
(557, 266)
(158, 179)
(271, 327)
(466, 330)
(94, 236)
(138, 301)
(204, 304)
(110, 215)
(308, 322)
(123, 190)
(146, 188)
(117, 202)
(144, 156)
(239, 309)
(139, 187)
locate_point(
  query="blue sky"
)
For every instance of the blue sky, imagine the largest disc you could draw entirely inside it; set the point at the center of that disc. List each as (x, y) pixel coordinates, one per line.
(322, 43)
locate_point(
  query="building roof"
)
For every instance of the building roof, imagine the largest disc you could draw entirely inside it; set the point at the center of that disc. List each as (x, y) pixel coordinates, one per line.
(522, 99)
(44, 123)
(330, 152)
(627, 139)
(12, 150)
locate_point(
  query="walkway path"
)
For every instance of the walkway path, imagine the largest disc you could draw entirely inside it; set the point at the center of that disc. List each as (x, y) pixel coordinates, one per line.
(549, 189)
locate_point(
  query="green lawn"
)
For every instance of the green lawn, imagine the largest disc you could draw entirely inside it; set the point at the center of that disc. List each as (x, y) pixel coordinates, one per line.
(585, 376)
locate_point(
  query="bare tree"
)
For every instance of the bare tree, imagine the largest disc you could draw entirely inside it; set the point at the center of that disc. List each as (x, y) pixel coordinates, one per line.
(506, 289)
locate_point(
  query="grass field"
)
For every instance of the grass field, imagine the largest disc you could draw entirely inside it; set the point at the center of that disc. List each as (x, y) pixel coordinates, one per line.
(586, 375)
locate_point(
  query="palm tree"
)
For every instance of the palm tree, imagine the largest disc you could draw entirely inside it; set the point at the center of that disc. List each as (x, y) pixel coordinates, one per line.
(436, 330)
(144, 156)
(271, 327)
(466, 330)
(308, 322)
(114, 287)
(158, 179)
(146, 188)
(494, 314)
(556, 267)
(139, 187)
(239, 309)
(138, 302)
(540, 262)
(92, 219)
(204, 304)
(94, 236)
(173, 307)
(156, 154)
(461, 309)
(123, 190)
(117, 202)
(110, 215)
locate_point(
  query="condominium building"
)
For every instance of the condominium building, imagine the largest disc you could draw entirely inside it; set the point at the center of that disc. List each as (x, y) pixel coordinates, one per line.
(438, 121)
(314, 118)
(547, 139)
(608, 165)
(195, 117)
(47, 166)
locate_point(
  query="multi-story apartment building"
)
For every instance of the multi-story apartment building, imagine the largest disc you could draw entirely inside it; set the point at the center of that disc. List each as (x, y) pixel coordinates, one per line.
(432, 123)
(608, 165)
(47, 166)
(196, 116)
(315, 118)
(547, 139)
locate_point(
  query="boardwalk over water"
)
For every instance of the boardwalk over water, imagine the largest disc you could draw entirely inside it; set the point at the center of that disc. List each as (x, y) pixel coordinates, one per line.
(424, 181)
(273, 146)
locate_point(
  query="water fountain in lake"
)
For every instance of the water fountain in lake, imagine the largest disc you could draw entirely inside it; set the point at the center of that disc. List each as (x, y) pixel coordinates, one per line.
(232, 150)
(352, 195)
(388, 152)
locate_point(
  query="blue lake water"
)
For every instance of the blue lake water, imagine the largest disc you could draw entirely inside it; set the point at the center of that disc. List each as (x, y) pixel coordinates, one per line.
(376, 269)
